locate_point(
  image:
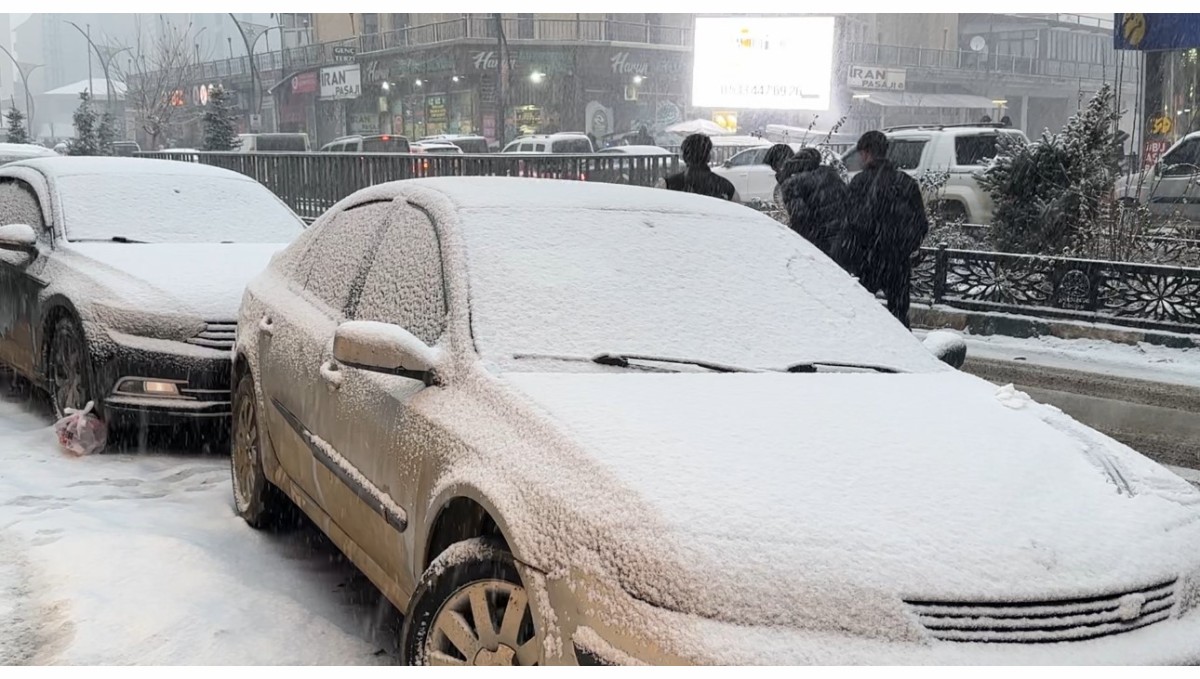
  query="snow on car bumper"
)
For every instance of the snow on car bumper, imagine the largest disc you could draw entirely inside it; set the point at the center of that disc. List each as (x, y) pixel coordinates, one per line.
(201, 374)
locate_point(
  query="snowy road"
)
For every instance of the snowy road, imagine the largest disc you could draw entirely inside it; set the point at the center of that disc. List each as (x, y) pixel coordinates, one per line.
(139, 559)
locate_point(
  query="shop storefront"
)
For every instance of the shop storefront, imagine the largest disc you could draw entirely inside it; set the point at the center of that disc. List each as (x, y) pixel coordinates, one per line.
(1169, 45)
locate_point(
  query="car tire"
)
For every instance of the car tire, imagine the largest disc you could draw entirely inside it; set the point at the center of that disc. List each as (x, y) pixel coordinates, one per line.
(68, 379)
(476, 574)
(258, 501)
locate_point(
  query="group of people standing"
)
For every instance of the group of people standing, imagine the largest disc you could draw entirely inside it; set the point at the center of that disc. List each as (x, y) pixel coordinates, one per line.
(871, 226)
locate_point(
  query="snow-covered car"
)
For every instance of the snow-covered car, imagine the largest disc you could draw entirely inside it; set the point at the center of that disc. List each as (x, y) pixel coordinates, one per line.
(1172, 186)
(469, 143)
(753, 179)
(559, 142)
(959, 151)
(436, 147)
(375, 143)
(120, 280)
(641, 167)
(567, 422)
(14, 152)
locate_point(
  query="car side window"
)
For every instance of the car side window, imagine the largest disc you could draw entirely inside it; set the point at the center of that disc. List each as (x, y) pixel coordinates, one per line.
(975, 149)
(523, 148)
(336, 256)
(743, 158)
(404, 286)
(19, 205)
(1183, 160)
(906, 153)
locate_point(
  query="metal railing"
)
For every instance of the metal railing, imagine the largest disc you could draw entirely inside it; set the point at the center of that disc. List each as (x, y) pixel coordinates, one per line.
(310, 183)
(474, 27)
(1145, 296)
(963, 60)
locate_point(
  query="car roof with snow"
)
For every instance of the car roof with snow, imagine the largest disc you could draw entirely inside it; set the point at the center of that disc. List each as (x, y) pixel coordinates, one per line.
(9, 150)
(527, 194)
(638, 150)
(65, 166)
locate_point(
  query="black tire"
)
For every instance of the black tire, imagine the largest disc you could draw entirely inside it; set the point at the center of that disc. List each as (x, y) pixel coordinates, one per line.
(67, 362)
(255, 498)
(463, 564)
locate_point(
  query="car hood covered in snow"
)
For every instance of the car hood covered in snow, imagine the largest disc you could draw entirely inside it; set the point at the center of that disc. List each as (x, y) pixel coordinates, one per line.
(203, 280)
(767, 492)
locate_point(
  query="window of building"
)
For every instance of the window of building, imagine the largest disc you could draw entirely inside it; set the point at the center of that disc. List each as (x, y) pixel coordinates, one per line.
(370, 24)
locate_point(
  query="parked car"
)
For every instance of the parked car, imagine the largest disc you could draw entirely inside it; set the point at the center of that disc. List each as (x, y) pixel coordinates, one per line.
(634, 150)
(1168, 188)
(274, 142)
(566, 422)
(13, 152)
(375, 143)
(637, 168)
(561, 142)
(125, 148)
(120, 280)
(435, 147)
(467, 142)
(960, 151)
(753, 179)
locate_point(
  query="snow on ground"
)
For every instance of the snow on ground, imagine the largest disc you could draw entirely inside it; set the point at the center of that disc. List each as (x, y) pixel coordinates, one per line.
(139, 559)
(1138, 361)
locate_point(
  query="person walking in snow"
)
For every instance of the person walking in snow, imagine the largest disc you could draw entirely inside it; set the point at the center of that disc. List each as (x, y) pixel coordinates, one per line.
(885, 225)
(815, 197)
(698, 177)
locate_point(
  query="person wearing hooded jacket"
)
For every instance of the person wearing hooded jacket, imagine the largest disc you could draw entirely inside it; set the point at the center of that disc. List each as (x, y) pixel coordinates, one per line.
(815, 198)
(698, 177)
(885, 225)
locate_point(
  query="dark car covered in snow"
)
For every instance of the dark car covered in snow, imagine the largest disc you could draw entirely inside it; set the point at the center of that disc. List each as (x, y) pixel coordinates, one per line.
(120, 280)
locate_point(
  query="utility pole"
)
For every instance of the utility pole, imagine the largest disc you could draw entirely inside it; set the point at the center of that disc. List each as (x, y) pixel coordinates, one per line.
(24, 83)
(502, 75)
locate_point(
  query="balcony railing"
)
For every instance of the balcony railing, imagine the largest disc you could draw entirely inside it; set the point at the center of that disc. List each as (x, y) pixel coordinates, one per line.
(465, 28)
(1001, 64)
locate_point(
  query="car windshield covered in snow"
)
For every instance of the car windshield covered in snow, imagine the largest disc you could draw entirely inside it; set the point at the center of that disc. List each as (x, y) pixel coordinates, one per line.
(169, 208)
(582, 283)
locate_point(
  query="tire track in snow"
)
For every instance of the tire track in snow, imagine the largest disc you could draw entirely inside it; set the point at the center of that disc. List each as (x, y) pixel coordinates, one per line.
(33, 632)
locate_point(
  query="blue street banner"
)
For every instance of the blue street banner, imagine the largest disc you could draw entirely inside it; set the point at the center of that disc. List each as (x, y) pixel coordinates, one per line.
(1151, 32)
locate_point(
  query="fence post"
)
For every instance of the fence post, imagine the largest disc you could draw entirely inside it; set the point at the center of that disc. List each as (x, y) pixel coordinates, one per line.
(941, 262)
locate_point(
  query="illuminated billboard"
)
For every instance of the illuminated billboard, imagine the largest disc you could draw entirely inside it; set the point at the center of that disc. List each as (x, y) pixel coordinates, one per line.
(763, 62)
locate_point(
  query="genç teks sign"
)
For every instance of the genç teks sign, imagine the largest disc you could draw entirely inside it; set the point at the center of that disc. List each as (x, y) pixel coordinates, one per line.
(341, 82)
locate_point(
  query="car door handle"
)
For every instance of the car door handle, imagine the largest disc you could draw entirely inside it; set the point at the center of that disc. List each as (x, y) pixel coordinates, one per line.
(266, 326)
(331, 374)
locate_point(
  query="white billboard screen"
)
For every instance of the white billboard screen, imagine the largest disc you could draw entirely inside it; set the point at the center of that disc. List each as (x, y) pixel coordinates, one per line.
(763, 63)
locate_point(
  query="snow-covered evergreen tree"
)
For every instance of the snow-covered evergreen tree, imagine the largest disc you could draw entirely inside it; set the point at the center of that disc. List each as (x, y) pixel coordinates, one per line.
(1047, 192)
(87, 133)
(17, 134)
(106, 133)
(220, 130)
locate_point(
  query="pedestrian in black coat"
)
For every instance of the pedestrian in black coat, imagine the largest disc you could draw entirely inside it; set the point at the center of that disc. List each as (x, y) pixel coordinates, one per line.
(699, 177)
(885, 225)
(815, 198)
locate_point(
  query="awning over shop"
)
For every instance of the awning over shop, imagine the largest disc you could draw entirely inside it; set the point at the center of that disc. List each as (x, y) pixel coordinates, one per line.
(919, 100)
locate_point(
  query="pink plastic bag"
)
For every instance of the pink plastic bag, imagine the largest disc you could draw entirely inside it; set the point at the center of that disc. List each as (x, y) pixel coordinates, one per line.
(80, 432)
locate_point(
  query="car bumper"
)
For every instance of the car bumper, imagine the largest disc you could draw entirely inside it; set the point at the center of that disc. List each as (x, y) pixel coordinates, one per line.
(202, 376)
(655, 636)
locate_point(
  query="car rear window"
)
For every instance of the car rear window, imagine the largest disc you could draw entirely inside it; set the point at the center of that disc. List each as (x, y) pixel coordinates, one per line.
(295, 143)
(571, 146)
(386, 145)
(471, 145)
(975, 149)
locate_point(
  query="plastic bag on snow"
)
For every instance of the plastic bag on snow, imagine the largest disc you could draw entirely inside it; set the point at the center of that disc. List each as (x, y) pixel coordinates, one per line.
(80, 432)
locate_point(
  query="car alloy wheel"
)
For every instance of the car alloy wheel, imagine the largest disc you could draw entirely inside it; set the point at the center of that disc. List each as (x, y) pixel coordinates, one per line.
(472, 610)
(254, 498)
(67, 368)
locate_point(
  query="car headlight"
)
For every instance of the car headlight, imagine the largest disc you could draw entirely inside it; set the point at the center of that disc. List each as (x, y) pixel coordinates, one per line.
(153, 388)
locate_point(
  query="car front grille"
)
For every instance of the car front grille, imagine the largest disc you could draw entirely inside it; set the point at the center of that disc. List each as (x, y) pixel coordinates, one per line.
(216, 335)
(1034, 622)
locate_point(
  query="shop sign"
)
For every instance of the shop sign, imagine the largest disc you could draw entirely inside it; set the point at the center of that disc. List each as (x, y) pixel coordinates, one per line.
(435, 110)
(876, 78)
(528, 117)
(344, 52)
(364, 123)
(305, 83)
(1160, 125)
(341, 82)
(623, 65)
(1154, 150)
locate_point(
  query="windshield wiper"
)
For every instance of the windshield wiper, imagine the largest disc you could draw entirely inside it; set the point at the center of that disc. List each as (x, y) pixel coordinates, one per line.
(622, 361)
(811, 367)
(114, 239)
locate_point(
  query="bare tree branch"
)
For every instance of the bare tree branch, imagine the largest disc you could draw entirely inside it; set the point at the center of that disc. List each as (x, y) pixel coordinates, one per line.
(161, 62)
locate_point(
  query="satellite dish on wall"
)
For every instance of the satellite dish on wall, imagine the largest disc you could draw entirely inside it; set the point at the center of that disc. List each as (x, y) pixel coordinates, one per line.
(978, 44)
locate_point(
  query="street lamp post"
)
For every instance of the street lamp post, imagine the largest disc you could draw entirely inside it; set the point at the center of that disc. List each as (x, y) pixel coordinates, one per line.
(255, 76)
(24, 83)
(104, 64)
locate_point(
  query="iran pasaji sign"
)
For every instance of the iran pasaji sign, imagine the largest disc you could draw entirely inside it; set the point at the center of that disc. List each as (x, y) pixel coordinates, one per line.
(341, 82)
(877, 78)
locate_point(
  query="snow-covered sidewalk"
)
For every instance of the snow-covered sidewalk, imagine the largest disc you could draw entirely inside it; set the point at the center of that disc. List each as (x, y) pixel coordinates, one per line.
(140, 559)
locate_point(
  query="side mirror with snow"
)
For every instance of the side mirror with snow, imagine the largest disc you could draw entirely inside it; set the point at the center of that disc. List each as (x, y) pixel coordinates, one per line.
(385, 348)
(947, 346)
(18, 237)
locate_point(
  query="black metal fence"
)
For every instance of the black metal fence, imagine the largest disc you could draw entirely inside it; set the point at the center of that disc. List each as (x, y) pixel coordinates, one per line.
(1145, 296)
(312, 182)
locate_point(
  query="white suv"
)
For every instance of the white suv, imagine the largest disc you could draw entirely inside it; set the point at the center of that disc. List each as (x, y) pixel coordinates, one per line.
(561, 142)
(1172, 186)
(957, 150)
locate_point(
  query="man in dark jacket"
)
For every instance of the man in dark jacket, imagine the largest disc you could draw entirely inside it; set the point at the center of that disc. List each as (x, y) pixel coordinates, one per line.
(699, 177)
(885, 225)
(815, 198)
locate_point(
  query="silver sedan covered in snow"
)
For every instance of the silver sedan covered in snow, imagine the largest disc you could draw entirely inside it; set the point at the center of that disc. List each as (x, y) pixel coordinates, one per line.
(120, 280)
(564, 422)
